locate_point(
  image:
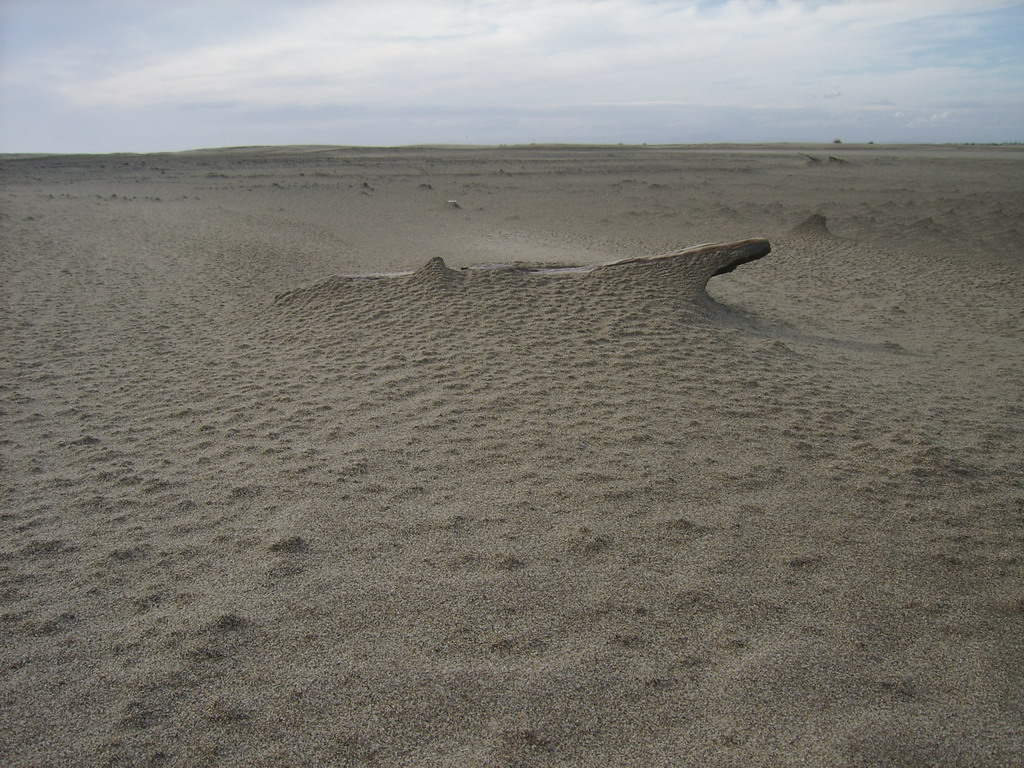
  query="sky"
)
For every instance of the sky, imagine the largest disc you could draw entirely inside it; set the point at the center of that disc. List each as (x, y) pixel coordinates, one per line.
(162, 75)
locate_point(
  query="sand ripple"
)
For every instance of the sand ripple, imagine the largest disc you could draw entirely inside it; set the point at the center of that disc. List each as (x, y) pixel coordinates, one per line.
(618, 516)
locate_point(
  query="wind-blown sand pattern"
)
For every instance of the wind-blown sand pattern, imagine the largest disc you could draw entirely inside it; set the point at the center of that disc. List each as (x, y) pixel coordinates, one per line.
(529, 514)
(583, 294)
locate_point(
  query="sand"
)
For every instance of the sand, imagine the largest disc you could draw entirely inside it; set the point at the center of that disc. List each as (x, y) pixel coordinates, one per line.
(258, 512)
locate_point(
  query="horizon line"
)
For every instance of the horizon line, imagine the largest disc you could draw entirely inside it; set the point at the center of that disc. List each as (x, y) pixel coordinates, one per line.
(528, 145)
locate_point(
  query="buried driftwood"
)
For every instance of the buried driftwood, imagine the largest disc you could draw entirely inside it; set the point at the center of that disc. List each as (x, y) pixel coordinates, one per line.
(680, 275)
(709, 259)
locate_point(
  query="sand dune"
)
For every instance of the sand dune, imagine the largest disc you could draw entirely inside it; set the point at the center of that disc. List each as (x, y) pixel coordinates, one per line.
(260, 512)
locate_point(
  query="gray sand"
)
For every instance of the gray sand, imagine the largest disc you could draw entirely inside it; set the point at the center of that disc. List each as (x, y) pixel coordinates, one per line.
(254, 514)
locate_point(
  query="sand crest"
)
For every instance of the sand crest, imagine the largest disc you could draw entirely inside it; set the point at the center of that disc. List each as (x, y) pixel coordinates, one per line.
(258, 511)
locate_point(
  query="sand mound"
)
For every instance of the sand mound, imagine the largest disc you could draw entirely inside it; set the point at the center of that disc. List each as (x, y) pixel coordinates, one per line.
(593, 295)
(814, 226)
(433, 274)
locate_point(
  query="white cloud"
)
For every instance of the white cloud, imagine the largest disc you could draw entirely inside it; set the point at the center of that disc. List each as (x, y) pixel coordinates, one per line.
(465, 56)
(543, 53)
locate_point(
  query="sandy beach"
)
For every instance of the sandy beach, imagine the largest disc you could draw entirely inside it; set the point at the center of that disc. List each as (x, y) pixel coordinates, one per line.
(262, 509)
